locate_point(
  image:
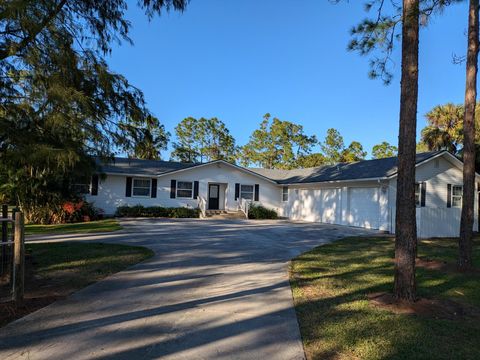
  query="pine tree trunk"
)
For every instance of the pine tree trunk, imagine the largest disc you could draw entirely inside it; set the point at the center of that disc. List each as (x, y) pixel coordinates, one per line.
(405, 225)
(466, 223)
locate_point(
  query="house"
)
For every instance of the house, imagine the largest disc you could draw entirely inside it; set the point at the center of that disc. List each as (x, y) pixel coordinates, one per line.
(358, 194)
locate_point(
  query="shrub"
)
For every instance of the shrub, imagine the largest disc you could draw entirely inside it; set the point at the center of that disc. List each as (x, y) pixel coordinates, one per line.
(156, 211)
(261, 212)
(81, 211)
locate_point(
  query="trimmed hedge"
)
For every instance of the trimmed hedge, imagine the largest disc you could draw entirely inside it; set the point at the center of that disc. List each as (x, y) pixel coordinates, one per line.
(258, 212)
(156, 211)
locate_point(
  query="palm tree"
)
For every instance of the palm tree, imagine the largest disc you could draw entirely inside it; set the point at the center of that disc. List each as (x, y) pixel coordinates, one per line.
(444, 129)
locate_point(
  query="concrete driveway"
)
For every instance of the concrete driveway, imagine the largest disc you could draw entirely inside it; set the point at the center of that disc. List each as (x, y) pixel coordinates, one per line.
(213, 290)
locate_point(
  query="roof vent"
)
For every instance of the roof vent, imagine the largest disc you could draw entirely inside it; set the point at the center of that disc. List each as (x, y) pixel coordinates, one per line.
(436, 163)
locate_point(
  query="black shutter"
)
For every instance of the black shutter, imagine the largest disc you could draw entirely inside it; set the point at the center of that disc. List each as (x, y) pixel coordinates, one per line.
(94, 190)
(154, 188)
(173, 189)
(449, 195)
(423, 194)
(195, 189)
(257, 191)
(128, 190)
(237, 191)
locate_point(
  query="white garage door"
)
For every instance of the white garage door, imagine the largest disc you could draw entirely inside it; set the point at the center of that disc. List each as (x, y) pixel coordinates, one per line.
(319, 205)
(364, 207)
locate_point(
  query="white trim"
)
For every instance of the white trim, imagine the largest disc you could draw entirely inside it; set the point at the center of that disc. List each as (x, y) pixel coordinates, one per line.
(457, 196)
(335, 181)
(247, 192)
(241, 168)
(149, 188)
(453, 159)
(183, 197)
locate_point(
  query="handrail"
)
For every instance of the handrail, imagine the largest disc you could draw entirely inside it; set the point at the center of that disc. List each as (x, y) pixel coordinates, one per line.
(202, 205)
(244, 206)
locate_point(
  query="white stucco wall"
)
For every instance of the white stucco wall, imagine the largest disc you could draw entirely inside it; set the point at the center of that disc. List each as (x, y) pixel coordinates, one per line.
(111, 191)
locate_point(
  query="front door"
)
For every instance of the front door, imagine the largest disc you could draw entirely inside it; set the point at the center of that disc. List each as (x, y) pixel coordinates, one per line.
(213, 195)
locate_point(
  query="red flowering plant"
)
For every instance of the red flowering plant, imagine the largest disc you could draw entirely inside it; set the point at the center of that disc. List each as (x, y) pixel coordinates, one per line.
(80, 211)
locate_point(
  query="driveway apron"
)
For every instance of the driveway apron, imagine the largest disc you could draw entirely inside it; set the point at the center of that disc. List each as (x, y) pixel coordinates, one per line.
(213, 290)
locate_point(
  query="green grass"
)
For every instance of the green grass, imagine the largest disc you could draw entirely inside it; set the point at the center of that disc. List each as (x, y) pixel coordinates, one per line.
(75, 265)
(106, 225)
(337, 321)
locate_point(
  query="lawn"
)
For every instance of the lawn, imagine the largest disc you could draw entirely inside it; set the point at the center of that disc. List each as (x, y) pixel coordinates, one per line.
(337, 321)
(106, 225)
(55, 270)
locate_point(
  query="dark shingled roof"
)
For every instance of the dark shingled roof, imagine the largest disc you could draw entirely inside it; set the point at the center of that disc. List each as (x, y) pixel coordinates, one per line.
(366, 169)
(142, 167)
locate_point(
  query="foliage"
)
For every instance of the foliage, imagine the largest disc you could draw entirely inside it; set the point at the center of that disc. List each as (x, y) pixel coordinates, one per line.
(106, 225)
(200, 140)
(310, 160)
(276, 144)
(444, 130)
(259, 212)
(377, 34)
(59, 101)
(81, 211)
(334, 149)
(330, 286)
(384, 150)
(354, 152)
(148, 141)
(156, 211)
(333, 146)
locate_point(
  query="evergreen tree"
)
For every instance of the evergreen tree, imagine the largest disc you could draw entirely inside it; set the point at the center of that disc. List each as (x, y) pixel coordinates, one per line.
(200, 140)
(354, 152)
(59, 102)
(384, 150)
(467, 216)
(276, 144)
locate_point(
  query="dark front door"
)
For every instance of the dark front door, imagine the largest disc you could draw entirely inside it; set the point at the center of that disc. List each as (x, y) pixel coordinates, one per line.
(213, 191)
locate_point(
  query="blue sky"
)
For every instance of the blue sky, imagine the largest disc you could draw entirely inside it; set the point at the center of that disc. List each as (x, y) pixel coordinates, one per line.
(237, 60)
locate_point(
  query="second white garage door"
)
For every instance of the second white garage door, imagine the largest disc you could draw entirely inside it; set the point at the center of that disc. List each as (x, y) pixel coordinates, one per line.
(319, 205)
(364, 208)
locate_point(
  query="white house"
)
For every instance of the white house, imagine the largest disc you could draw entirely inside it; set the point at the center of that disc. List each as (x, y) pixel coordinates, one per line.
(358, 194)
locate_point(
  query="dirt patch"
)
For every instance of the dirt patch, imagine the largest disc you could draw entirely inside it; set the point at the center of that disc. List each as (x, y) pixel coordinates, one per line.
(10, 312)
(430, 264)
(433, 308)
(442, 266)
(39, 292)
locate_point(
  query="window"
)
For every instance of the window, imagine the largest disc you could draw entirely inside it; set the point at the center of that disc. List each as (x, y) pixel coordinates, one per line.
(141, 187)
(285, 194)
(457, 193)
(185, 189)
(418, 194)
(81, 188)
(246, 192)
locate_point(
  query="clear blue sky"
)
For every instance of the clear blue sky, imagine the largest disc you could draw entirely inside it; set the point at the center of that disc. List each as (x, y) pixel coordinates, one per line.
(237, 60)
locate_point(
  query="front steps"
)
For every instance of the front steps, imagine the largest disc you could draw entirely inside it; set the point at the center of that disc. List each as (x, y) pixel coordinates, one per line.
(223, 214)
